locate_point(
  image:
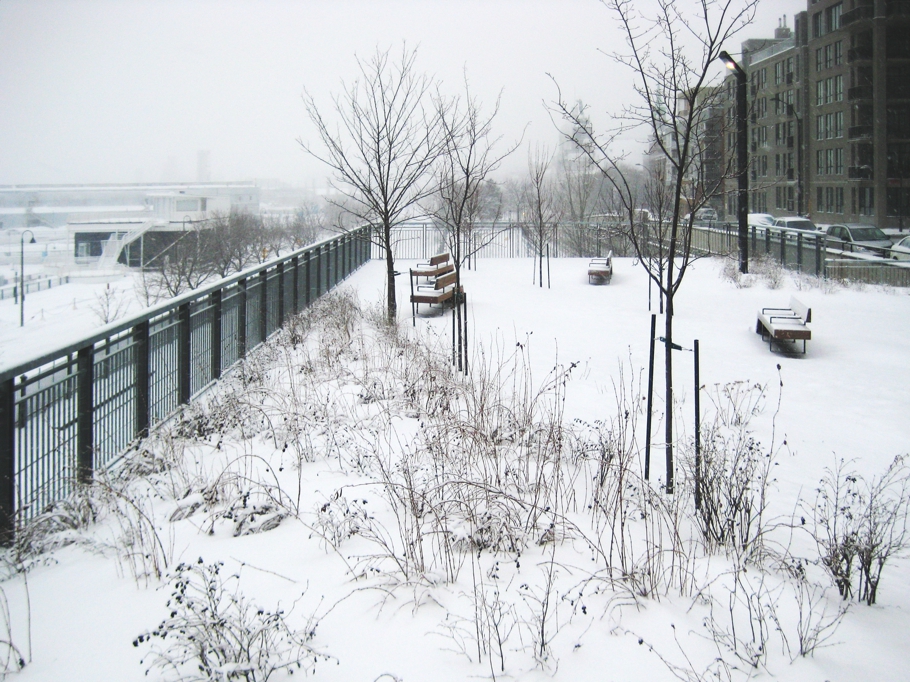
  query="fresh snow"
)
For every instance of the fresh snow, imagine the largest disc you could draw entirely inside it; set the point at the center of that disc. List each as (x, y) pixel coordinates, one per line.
(848, 397)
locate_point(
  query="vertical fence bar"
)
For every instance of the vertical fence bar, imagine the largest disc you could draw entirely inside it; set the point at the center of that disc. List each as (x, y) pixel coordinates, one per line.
(183, 353)
(7, 461)
(143, 375)
(85, 418)
(697, 430)
(216, 298)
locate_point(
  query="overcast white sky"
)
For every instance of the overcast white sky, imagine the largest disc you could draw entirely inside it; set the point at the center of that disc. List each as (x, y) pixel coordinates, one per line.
(130, 90)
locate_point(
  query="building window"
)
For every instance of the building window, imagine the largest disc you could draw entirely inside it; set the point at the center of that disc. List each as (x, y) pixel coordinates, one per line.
(838, 199)
(832, 17)
(817, 31)
(864, 201)
(839, 163)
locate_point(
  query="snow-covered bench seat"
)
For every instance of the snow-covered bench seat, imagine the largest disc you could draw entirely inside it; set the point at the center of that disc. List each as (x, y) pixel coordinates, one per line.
(438, 292)
(600, 270)
(437, 265)
(785, 324)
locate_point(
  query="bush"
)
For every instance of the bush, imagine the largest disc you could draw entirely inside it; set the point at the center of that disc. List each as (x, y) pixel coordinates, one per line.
(215, 633)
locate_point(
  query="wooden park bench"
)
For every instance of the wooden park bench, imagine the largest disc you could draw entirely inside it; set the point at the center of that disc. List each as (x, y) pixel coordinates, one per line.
(437, 266)
(600, 270)
(785, 324)
(438, 292)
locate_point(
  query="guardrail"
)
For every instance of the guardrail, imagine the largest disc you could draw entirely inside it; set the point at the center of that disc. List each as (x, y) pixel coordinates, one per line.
(67, 413)
(795, 249)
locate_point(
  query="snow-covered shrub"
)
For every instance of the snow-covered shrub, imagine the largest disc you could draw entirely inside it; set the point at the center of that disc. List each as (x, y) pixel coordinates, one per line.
(860, 525)
(735, 472)
(768, 269)
(214, 633)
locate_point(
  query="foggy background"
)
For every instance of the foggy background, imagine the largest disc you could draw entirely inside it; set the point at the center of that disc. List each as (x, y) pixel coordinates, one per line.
(96, 91)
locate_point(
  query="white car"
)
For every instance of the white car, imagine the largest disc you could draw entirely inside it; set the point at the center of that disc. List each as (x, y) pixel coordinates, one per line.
(760, 219)
(795, 223)
(852, 235)
(901, 250)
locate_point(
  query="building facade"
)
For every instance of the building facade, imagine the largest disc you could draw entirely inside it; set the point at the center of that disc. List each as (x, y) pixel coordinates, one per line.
(829, 115)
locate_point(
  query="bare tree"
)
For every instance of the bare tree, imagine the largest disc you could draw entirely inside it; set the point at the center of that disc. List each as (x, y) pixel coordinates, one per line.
(230, 241)
(464, 194)
(383, 148)
(540, 208)
(671, 54)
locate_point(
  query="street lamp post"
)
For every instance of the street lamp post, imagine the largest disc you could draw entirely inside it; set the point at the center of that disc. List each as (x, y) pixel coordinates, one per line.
(742, 158)
(791, 111)
(22, 274)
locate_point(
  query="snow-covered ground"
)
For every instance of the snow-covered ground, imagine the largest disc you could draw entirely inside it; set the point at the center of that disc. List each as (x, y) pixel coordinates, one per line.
(847, 397)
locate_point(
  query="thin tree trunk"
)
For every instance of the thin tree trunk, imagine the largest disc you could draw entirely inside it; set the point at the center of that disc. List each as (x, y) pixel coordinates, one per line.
(391, 301)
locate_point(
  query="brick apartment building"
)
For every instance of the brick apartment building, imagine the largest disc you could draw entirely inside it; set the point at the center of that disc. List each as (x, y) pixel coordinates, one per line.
(829, 115)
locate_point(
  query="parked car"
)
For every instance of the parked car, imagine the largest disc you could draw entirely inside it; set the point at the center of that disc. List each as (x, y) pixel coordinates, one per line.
(760, 219)
(901, 250)
(852, 235)
(795, 223)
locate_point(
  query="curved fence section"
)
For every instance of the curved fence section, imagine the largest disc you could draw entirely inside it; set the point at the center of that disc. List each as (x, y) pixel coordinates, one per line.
(67, 413)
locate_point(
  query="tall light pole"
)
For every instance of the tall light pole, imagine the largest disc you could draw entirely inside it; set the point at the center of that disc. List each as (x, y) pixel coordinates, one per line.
(791, 111)
(742, 158)
(22, 274)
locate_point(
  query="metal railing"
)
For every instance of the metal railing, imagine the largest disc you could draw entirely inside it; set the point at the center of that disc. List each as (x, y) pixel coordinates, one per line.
(67, 413)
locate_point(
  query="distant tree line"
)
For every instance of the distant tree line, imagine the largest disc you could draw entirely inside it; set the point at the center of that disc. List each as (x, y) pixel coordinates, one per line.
(225, 244)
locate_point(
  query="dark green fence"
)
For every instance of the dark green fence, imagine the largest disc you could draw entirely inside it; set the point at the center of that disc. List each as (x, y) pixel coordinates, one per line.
(67, 413)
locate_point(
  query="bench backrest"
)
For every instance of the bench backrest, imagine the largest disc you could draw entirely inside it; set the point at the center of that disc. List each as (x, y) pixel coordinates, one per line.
(446, 280)
(803, 311)
(439, 258)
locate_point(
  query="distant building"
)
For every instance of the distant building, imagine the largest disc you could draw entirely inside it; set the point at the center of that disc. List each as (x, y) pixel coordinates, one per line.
(127, 223)
(830, 115)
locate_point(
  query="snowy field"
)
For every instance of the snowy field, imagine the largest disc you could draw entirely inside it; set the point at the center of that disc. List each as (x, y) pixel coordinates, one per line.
(330, 463)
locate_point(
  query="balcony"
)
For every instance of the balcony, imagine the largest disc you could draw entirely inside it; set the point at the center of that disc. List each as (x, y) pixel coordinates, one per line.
(856, 54)
(859, 92)
(859, 132)
(861, 13)
(859, 172)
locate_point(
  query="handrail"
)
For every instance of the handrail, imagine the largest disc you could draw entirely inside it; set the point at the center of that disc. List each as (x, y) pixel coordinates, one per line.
(115, 328)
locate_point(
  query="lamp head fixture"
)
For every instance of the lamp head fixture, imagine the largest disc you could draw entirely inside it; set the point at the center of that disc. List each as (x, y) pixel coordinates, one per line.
(729, 62)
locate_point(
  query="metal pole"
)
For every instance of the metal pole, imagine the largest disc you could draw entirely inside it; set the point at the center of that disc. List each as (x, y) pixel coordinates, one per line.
(650, 399)
(697, 432)
(742, 154)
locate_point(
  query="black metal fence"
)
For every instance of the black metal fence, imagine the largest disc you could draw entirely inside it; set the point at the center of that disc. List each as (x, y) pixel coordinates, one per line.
(794, 249)
(67, 413)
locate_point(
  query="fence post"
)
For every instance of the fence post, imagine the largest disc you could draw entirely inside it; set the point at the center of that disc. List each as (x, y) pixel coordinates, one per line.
(141, 342)
(307, 278)
(183, 353)
(318, 271)
(818, 256)
(263, 306)
(799, 252)
(216, 297)
(8, 461)
(241, 320)
(279, 273)
(85, 409)
(295, 261)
